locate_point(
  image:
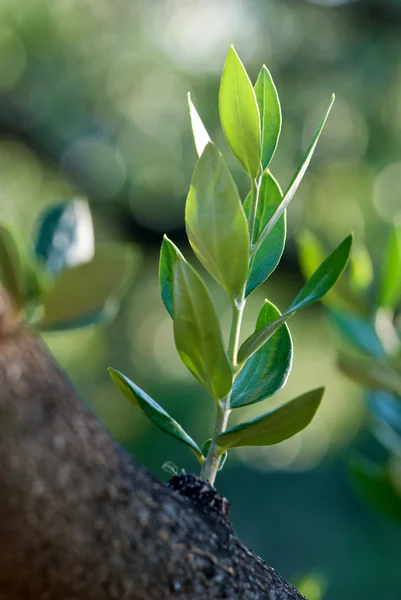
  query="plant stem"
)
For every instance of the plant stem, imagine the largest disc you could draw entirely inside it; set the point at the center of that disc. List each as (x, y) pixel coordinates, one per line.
(253, 207)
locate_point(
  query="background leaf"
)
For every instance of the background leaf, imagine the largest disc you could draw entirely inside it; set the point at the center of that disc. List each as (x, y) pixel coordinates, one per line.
(269, 254)
(275, 426)
(81, 291)
(169, 254)
(155, 413)
(197, 332)
(292, 188)
(359, 333)
(266, 372)
(270, 115)
(371, 373)
(201, 136)
(390, 273)
(65, 236)
(239, 114)
(215, 222)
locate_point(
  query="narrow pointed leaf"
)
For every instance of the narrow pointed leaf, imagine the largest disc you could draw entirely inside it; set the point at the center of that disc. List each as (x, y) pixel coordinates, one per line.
(390, 274)
(270, 115)
(292, 188)
(83, 290)
(197, 332)
(11, 265)
(266, 372)
(215, 222)
(371, 374)
(65, 236)
(276, 426)
(360, 333)
(374, 484)
(269, 254)
(325, 276)
(319, 284)
(169, 254)
(239, 114)
(201, 136)
(154, 412)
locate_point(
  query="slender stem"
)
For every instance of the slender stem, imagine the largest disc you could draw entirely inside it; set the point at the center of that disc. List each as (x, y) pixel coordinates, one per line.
(211, 464)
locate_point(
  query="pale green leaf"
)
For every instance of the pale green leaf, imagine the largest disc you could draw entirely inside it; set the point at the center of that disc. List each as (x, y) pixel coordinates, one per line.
(270, 114)
(201, 136)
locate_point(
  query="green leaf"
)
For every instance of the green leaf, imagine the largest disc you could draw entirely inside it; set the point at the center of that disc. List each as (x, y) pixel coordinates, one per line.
(371, 373)
(83, 290)
(390, 273)
(65, 236)
(374, 484)
(269, 254)
(239, 114)
(266, 372)
(205, 450)
(276, 426)
(197, 332)
(360, 333)
(319, 284)
(270, 114)
(169, 254)
(12, 275)
(361, 269)
(292, 188)
(155, 413)
(216, 224)
(325, 276)
(201, 136)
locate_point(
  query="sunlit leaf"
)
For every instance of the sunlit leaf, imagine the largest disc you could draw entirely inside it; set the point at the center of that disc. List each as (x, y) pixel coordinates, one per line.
(270, 114)
(81, 291)
(169, 254)
(65, 236)
(201, 136)
(197, 332)
(155, 413)
(239, 114)
(292, 188)
(216, 224)
(266, 372)
(373, 483)
(361, 269)
(12, 275)
(360, 333)
(269, 254)
(319, 284)
(275, 426)
(390, 272)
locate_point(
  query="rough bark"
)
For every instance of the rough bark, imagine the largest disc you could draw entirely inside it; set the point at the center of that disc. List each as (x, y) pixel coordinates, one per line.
(80, 520)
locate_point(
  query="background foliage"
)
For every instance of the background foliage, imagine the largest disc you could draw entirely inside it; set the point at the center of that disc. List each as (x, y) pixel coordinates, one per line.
(93, 103)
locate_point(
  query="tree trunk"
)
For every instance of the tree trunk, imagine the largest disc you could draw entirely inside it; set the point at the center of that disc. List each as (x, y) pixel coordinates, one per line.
(79, 520)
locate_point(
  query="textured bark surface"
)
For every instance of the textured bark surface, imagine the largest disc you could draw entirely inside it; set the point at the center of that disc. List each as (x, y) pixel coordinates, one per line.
(80, 520)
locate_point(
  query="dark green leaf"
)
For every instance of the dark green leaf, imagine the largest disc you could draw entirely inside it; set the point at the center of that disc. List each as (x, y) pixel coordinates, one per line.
(390, 273)
(292, 188)
(373, 483)
(153, 411)
(269, 254)
(81, 291)
(169, 254)
(197, 332)
(275, 426)
(201, 136)
(359, 333)
(239, 114)
(325, 276)
(266, 372)
(216, 224)
(270, 114)
(12, 275)
(318, 285)
(205, 450)
(65, 236)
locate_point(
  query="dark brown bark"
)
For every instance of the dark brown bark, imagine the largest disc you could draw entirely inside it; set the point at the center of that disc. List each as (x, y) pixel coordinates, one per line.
(80, 520)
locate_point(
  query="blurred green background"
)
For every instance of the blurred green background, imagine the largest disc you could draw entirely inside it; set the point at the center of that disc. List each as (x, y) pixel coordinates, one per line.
(93, 103)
